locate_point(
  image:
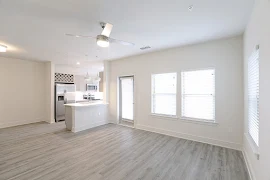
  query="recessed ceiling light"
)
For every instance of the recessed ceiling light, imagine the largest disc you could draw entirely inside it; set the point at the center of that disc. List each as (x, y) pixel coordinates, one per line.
(78, 63)
(3, 48)
(190, 8)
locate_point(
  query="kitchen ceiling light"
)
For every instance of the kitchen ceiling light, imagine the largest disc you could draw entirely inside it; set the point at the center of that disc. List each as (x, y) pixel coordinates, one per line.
(87, 77)
(78, 63)
(3, 48)
(102, 41)
(190, 8)
(97, 78)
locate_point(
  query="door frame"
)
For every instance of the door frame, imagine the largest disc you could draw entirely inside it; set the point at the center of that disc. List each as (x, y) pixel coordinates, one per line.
(119, 100)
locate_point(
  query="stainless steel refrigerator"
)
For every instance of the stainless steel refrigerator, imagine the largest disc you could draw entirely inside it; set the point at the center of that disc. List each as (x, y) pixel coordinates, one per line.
(63, 95)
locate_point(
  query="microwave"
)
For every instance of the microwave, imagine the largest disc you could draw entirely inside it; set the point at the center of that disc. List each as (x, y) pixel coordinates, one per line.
(91, 87)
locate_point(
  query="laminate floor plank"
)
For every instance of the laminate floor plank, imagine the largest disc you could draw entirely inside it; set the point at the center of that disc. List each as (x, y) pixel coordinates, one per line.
(43, 151)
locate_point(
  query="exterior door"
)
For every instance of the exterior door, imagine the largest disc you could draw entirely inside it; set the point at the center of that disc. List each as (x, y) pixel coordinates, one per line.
(126, 98)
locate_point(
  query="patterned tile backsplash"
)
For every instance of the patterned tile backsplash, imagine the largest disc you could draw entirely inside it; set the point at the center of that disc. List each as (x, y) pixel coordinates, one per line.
(64, 78)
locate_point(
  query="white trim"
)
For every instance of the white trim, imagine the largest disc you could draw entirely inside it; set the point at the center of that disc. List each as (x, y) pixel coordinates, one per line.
(176, 93)
(198, 69)
(252, 144)
(128, 120)
(119, 108)
(216, 142)
(253, 97)
(199, 121)
(19, 123)
(51, 122)
(164, 116)
(248, 164)
(126, 126)
(214, 94)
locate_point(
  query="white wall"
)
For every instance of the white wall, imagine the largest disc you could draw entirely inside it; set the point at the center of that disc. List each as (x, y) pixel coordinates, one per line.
(80, 83)
(223, 55)
(92, 68)
(258, 32)
(49, 82)
(106, 82)
(22, 92)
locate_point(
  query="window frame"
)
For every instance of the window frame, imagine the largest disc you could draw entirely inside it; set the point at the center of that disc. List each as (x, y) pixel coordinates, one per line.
(176, 94)
(251, 140)
(199, 120)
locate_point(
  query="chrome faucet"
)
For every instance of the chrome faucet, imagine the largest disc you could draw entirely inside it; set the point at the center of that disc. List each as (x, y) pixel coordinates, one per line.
(89, 97)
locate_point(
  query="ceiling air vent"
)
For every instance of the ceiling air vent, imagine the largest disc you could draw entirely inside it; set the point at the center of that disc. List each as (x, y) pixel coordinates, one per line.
(146, 47)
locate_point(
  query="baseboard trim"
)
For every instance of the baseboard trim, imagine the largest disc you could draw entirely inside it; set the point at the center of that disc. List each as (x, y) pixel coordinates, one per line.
(126, 126)
(19, 123)
(201, 139)
(248, 164)
(51, 122)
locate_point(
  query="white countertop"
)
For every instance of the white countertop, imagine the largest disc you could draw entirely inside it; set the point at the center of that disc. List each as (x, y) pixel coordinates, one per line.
(86, 104)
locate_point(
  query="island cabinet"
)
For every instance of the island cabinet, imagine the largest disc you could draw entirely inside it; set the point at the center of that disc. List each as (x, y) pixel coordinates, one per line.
(82, 116)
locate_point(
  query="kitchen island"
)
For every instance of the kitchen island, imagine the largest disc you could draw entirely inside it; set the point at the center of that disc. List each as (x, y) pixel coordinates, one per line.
(85, 115)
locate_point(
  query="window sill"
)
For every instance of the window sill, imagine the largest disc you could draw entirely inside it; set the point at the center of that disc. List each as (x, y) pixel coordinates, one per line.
(164, 116)
(252, 144)
(187, 120)
(198, 121)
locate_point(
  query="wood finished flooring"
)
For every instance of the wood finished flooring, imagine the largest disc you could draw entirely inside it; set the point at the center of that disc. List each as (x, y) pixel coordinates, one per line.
(111, 152)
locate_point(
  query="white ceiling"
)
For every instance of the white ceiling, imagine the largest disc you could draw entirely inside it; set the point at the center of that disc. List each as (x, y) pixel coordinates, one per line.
(35, 29)
(92, 68)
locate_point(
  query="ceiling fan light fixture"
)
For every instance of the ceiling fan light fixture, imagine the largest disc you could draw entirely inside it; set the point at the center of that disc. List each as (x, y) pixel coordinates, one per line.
(102, 41)
(3, 48)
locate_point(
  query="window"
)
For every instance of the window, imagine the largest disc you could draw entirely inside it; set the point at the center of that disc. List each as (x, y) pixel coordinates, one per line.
(198, 95)
(164, 94)
(253, 96)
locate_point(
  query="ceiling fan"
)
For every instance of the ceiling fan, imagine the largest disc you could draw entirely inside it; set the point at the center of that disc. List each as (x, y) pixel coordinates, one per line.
(104, 40)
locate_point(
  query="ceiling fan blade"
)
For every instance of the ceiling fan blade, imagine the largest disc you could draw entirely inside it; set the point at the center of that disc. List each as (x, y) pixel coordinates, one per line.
(80, 36)
(121, 42)
(107, 30)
